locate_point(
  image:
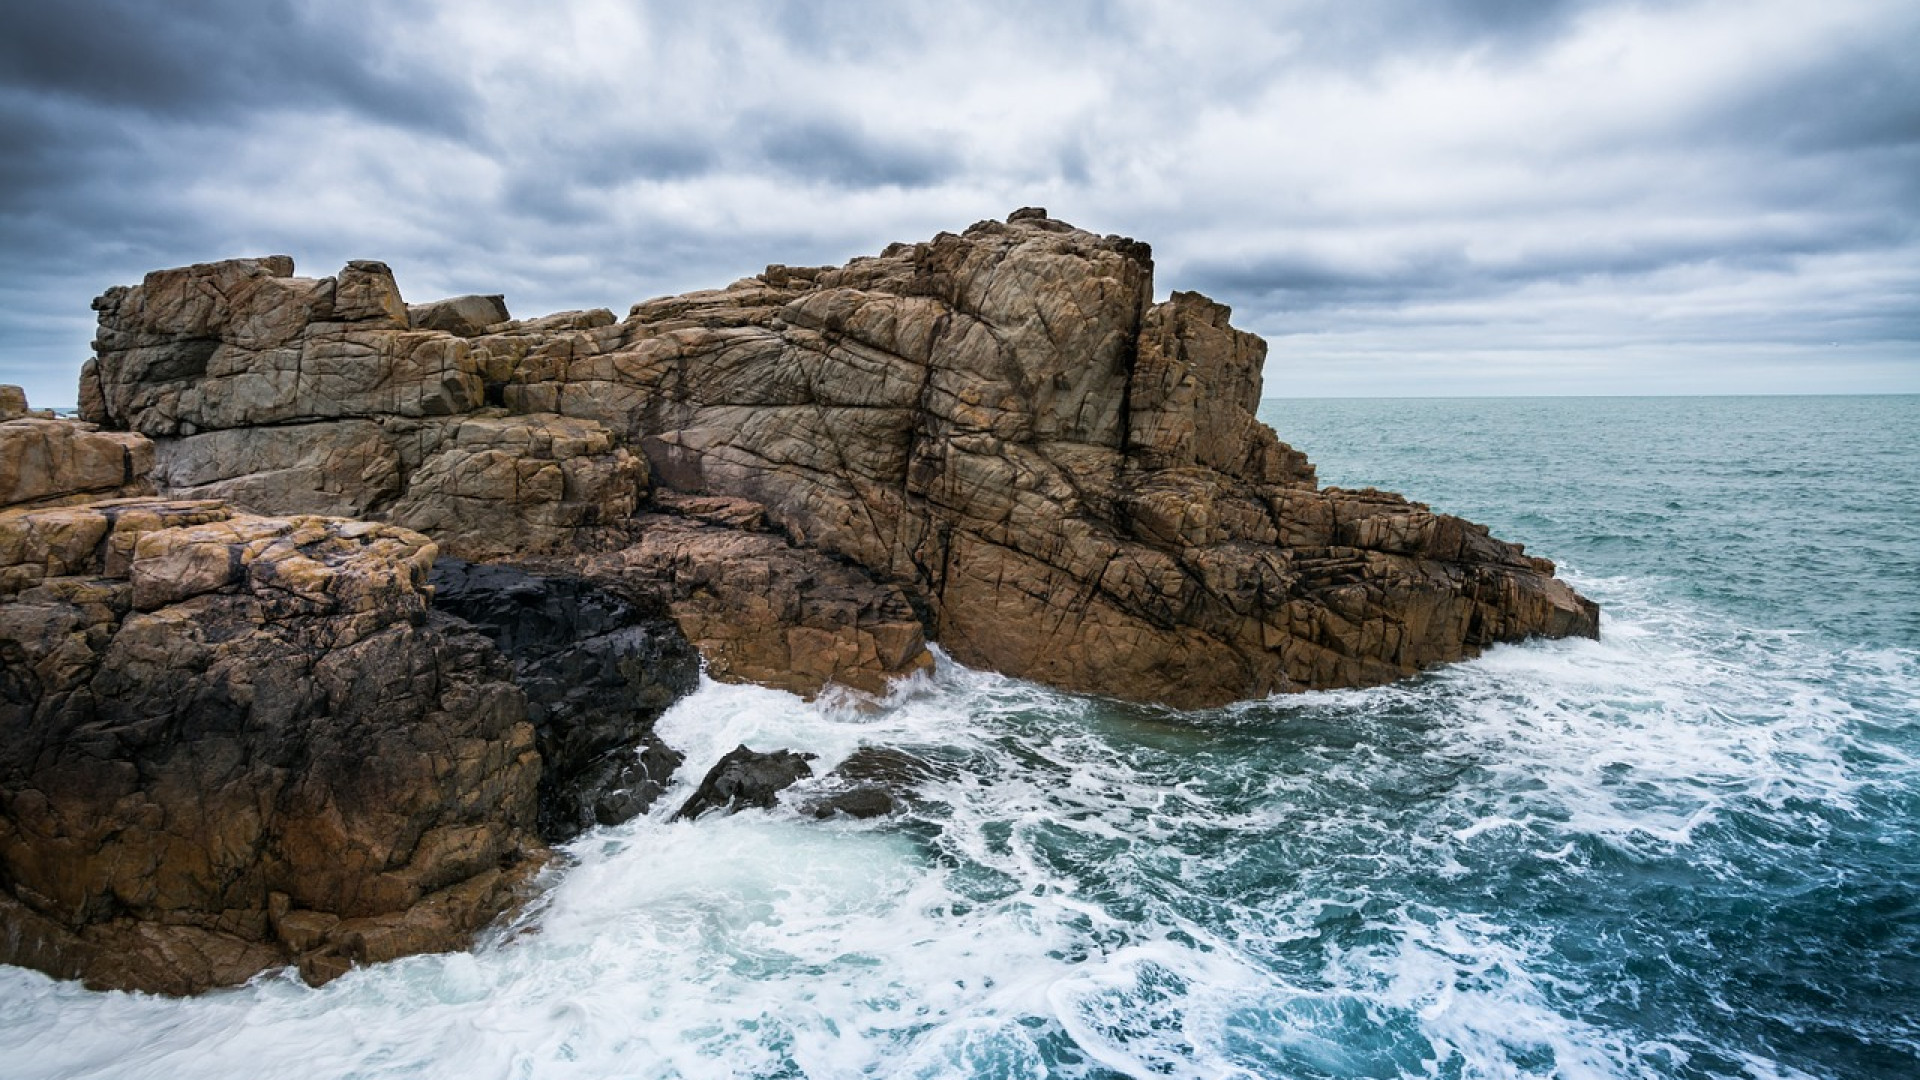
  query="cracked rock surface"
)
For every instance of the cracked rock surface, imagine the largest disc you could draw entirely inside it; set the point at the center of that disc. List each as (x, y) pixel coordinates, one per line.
(996, 435)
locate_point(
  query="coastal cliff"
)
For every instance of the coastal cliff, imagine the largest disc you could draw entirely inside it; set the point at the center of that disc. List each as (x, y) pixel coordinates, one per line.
(995, 439)
(266, 702)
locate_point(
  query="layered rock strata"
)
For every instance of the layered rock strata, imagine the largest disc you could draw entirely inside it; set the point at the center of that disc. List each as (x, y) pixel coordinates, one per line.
(998, 431)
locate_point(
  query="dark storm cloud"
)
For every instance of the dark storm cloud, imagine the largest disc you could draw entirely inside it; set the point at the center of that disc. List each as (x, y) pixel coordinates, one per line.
(205, 58)
(1306, 281)
(1864, 98)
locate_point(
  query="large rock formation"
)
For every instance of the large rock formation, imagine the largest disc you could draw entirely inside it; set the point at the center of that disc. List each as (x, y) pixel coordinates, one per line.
(1058, 477)
(234, 742)
(238, 739)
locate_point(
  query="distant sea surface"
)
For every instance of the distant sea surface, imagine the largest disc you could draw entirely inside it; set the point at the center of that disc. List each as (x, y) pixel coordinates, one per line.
(1691, 849)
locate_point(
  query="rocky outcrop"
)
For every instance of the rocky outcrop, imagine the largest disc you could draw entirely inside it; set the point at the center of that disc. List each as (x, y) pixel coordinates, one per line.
(597, 670)
(238, 734)
(300, 395)
(745, 779)
(235, 742)
(998, 436)
(1066, 479)
(46, 461)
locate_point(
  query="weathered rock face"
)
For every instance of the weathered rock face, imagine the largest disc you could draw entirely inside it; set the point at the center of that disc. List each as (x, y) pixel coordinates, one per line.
(302, 395)
(235, 742)
(1058, 477)
(44, 461)
(764, 611)
(1066, 479)
(597, 670)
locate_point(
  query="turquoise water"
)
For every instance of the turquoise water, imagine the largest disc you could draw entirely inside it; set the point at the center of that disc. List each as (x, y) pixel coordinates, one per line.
(1691, 849)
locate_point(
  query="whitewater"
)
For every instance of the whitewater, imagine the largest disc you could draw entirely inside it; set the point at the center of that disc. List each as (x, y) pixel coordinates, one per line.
(1690, 849)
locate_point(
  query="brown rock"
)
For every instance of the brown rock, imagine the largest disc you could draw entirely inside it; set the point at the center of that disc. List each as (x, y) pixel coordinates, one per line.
(244, 343)
(1067, 480)
(761, 610)
(1055, 476)
(45, 461)
(237, 742)
(502, 486)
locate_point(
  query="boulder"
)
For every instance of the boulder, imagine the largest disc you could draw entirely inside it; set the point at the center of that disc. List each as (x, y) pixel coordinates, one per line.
(746, 779)
(45, 460)
(13, 402)
(461, 316)
(243, 343)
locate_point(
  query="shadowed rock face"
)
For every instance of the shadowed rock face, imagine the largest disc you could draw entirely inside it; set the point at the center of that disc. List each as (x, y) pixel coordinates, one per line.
(597, 671)
(1060, 478)
(230, 742)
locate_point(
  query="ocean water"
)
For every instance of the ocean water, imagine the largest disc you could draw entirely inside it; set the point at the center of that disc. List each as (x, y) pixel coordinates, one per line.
(1691, 849)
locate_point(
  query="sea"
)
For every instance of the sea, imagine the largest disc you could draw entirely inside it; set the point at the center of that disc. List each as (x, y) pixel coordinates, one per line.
(1689, 849)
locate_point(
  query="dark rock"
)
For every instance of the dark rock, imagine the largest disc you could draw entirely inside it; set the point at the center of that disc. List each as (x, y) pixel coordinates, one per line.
(745, 778)
(597, 671)
(873, 781)
(461, 316)
(860, 801)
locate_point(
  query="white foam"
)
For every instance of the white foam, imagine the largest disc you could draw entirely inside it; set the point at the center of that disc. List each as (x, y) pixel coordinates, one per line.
(1075, 890)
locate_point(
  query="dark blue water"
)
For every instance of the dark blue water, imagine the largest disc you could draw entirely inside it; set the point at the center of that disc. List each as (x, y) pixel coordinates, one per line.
(1691, 849)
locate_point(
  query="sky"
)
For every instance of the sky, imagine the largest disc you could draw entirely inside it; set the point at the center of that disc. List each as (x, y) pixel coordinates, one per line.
(1404, 197)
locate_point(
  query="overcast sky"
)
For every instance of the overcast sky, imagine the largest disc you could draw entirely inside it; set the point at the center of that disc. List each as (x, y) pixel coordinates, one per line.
(1403, 197)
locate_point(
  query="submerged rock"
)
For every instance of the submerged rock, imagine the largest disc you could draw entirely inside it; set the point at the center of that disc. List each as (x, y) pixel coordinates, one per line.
(746, 779)
(874, 781)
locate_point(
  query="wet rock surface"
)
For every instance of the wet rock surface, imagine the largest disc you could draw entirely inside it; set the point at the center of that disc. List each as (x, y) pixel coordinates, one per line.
(874, 781)
(746, 779)
(597, 671)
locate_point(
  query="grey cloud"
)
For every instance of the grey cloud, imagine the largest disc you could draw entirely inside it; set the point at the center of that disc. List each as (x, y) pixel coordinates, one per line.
(680, 146)
(1304, 281)
(1863, 99)
(218, 56)
(840, 153)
